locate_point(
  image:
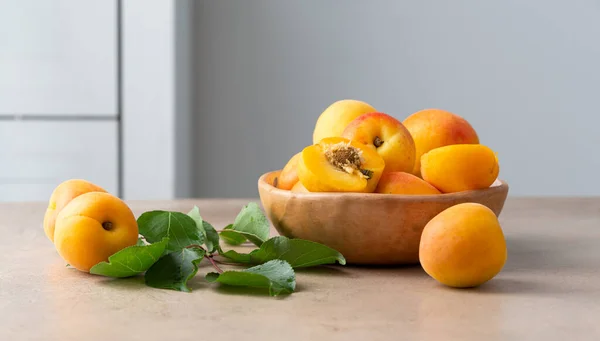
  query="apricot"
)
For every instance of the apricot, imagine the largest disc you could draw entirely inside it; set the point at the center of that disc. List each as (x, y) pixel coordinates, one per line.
(335, 118)
(434, 128)
(404, 183)
(273, 178)
(61, 196)
(92, 227)
(463, 246)
(289, 174)
(299, 188)
(337, 164)
(387, 136)
(460, 167)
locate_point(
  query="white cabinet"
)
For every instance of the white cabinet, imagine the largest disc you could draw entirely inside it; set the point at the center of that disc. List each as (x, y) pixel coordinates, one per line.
(36, 156)
(58, 57)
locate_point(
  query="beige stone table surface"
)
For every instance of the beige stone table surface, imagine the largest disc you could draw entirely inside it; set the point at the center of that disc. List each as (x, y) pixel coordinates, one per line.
(548, 290)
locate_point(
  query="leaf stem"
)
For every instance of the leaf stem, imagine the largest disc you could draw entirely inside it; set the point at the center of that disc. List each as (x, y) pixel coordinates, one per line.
(214, 263)
(207, 256)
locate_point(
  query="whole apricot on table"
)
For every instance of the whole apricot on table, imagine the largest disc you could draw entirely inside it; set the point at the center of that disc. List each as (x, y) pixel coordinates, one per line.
(460, 167)
(463, 246)
(337, 164)
(404, 183)
(434, 128)
(61, 196)
(387, 136)
(92, 227)
(289, 174)
(335, 118)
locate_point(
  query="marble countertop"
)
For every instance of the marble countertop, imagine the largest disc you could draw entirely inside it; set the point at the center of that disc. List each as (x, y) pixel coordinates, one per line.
(549, 289)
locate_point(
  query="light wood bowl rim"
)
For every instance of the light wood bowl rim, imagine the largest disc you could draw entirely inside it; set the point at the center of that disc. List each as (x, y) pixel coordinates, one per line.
(498, 186)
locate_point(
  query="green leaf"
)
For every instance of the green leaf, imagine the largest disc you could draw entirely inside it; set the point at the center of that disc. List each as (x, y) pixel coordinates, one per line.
(211, 237)
(298, 253)
(277, 276)
(252, 223)
(178, 227)
(175, 269)
(232, 237)
(131, 260)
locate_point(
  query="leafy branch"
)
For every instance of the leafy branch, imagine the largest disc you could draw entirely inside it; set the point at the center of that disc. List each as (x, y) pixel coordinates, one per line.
(172, 244)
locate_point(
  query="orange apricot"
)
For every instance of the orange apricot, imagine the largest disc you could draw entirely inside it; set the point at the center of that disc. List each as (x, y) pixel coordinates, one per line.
(299, 188)
(404, 183)
(92, 227)
(61, 196)
(289, 174)
(434, 128)
(337, 164)
(387, 136)
(463, 246)
(335, 118)
(460, 167)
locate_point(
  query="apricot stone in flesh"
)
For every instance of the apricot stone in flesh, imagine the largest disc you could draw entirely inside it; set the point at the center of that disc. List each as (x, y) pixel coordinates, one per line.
(460, 167)
(337, 164)
(434, 128)
(463, 246)
(404, 183)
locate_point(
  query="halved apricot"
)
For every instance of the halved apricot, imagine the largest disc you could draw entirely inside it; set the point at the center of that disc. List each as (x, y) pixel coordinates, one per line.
(460, 167)
(337, 164)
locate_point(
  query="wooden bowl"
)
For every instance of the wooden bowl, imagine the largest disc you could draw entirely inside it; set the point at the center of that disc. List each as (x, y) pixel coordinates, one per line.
(367, 228)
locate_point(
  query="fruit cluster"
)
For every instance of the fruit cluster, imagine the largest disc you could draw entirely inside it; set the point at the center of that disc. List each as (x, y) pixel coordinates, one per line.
(87, 224)
(358, 149)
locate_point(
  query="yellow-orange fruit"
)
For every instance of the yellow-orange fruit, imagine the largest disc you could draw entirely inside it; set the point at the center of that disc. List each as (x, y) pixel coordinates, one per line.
(92, 227)
(387, 136)
(337, 164)
(61, 196)
(434, 128)
(289, 174)
(299, 188)
(463, 246)
(335, 118)
(404, 183)
(460, 167)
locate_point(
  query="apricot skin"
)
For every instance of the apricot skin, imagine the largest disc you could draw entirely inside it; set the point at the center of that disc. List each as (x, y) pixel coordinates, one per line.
(317, 174)
(273, 178)
(434, 128)
(299, 188)
(61, 196)
(80, 237)
(396, 145)
(335, 118)
(460, 167)
(289, 174)
(404, 183)
(463, 246)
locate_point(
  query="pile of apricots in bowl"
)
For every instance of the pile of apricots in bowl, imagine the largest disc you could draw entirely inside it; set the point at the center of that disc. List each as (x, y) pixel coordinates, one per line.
(357, 149)
(385, 191)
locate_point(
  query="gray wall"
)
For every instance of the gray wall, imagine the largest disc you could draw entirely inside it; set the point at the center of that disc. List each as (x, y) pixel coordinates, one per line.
(526, 74)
